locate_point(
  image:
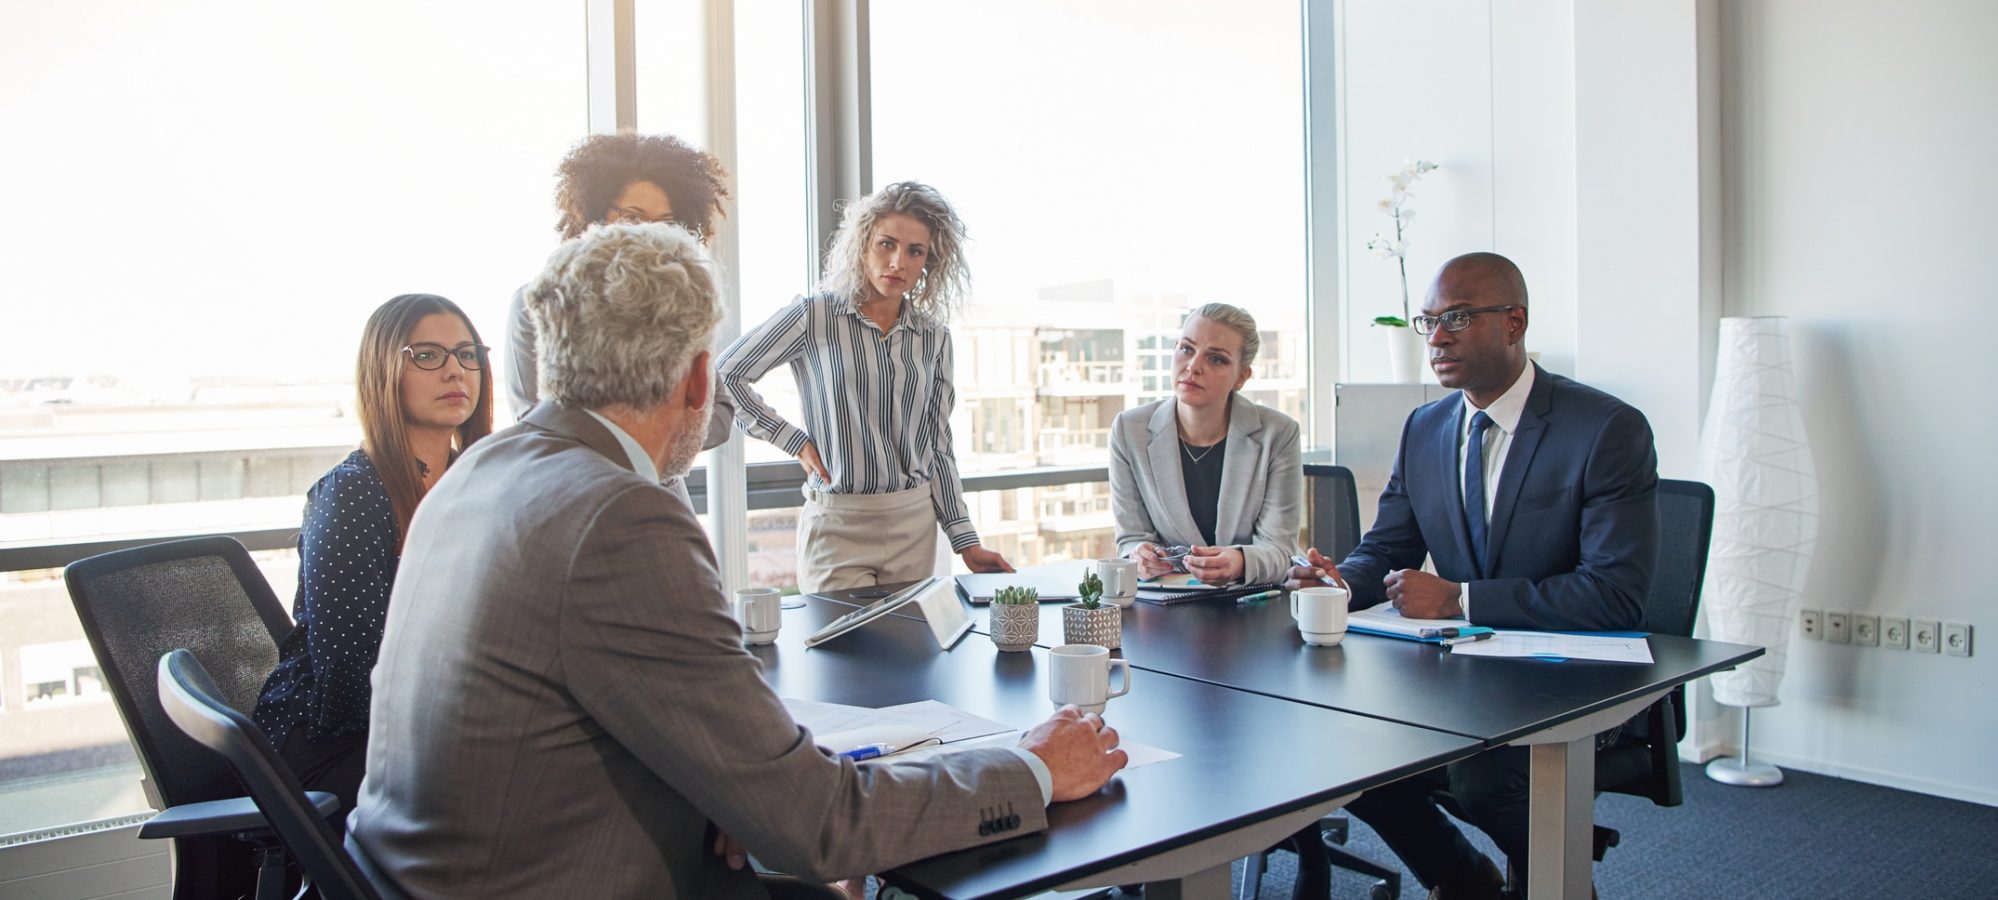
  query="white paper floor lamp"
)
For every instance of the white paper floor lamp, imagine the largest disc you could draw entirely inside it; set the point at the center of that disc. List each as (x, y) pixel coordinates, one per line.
(1754, 453)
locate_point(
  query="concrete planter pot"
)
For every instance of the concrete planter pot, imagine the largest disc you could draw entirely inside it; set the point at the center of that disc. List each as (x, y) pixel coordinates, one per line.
(1015, 626)
(1102, 626)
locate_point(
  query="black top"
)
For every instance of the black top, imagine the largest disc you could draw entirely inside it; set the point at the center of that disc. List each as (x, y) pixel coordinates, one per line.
(1201, 468)
(346, 565)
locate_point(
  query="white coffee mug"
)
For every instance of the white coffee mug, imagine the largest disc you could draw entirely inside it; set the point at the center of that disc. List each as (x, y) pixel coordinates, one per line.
(1120, 580)
(1080, 675)
(760, 610)
(1320, 613)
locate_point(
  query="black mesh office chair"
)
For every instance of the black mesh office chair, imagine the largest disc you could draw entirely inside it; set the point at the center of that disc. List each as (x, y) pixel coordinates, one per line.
(1644, 759)
(1645, 762)
(205, 594)
(194, 704)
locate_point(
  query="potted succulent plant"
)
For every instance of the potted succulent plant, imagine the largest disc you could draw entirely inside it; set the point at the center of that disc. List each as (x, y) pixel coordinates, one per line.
(1016, 618)
(1090, 620)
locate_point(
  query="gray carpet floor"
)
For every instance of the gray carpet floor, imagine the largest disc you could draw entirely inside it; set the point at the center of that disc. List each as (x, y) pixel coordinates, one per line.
(1813, 836)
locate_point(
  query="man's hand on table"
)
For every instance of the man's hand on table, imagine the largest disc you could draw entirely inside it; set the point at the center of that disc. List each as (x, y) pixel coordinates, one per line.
(1080, 752)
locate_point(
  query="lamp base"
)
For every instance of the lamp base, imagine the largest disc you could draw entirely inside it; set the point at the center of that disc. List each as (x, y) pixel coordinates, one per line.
(1729, 770)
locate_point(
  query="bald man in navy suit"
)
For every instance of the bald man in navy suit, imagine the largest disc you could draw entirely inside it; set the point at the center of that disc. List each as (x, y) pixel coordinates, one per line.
(1536, 497)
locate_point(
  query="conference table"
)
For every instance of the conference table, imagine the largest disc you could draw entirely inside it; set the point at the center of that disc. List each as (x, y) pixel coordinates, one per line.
(1252, 769)
(1554, 708)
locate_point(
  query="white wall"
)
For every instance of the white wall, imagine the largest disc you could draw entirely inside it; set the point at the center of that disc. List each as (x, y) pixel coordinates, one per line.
(1859, 190)
(1485, 88)
(1654, 164)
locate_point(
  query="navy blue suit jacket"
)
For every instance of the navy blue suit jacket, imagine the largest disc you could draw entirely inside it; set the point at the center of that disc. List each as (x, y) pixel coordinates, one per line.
(1574, 528)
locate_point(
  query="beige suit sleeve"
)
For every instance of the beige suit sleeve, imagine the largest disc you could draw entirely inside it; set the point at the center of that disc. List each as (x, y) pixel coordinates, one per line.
(650, 651)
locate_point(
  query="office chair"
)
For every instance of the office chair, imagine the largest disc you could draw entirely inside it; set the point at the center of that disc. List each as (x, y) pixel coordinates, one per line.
(203, 593)
(1335, 531)
(1643, 760)
(194, 704)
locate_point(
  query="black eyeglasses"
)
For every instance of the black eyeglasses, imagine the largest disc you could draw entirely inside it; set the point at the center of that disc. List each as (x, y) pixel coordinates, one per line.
(1454, 320)
(430, 357)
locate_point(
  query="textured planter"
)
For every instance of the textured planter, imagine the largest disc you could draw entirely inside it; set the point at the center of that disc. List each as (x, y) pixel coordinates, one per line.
(1102, 626)
(1015, 626)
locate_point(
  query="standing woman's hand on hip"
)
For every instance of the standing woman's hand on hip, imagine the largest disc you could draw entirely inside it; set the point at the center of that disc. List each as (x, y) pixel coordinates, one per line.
(808, 456)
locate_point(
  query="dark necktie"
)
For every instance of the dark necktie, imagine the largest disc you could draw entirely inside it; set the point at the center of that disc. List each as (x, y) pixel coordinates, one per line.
(1474, 488)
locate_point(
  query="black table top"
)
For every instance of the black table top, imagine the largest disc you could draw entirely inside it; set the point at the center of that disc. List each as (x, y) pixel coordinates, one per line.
(1244, 758)
(1256, 647)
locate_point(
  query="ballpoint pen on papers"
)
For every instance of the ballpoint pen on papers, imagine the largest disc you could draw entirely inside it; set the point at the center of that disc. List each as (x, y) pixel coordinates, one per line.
(1265, 595)
(1480, 636)
(867, 751)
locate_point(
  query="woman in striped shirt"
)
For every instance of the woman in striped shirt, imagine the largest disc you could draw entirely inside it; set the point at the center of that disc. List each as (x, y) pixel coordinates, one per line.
(872, 358)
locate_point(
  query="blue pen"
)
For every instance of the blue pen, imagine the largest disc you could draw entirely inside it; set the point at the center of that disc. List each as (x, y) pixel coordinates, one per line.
(867, 751)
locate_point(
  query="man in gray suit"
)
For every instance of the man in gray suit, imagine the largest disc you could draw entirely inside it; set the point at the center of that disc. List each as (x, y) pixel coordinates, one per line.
(562, 702)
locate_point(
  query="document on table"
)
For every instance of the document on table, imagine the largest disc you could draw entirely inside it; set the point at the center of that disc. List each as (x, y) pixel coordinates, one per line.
(921, 720)
(1385, 619)
(909, 722)
(1549, 645)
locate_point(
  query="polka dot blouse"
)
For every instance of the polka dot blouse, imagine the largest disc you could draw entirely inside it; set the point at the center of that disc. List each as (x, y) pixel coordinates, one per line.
(347, 561)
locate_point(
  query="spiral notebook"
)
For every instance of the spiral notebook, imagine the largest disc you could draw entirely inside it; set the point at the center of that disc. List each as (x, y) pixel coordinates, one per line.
(1191, 592)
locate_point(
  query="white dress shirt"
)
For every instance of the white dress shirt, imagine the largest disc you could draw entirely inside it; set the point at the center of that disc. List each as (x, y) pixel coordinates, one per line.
(1504, 413)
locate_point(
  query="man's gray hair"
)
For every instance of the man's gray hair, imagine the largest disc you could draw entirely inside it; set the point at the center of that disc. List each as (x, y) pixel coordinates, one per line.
(619, 314)
(1236, 318)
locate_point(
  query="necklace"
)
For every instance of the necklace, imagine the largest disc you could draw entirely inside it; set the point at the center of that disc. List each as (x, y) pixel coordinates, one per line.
(1197, 457)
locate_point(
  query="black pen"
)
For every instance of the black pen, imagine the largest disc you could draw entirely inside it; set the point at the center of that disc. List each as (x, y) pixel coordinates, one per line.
(1480, 636)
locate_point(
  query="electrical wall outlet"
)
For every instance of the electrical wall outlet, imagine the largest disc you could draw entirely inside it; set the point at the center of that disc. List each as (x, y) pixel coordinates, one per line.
(1925, 635)
(1956, 638)
(1838, 628)
(1865, 629)
(1894, 632)
(1813, 624)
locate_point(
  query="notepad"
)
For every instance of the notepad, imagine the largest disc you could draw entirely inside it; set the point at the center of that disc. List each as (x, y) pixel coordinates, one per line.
(1387, 621)
(1553, 645)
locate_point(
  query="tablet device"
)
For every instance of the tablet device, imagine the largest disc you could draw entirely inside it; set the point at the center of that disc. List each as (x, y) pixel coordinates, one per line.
(941, 612)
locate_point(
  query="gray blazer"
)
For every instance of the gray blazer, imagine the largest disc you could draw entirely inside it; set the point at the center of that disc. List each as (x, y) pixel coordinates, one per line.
(563, 704)
(1262, 485)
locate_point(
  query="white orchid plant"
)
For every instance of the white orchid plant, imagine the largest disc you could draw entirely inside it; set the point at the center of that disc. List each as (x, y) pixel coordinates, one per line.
(1395, 204)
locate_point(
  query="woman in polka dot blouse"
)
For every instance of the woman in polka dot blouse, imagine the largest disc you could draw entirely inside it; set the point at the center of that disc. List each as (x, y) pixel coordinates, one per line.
(424, 397)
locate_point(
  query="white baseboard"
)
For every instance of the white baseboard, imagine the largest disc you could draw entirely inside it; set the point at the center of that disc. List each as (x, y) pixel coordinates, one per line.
(1946, 790)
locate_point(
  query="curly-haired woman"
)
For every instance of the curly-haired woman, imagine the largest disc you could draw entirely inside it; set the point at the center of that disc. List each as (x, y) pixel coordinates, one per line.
(872, 358)
(630, 178)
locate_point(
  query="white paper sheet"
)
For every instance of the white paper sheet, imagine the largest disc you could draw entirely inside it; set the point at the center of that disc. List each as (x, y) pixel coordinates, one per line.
(1385, 618)
(1548, 645)
(930, 718)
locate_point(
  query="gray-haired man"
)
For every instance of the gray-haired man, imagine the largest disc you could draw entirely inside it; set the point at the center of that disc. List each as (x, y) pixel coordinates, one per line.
(562, 703)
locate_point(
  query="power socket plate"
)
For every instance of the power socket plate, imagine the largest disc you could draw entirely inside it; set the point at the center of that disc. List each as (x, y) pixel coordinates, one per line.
(1925, 635)
(1894, 632)
(1838, 628)
(1812, 622)
(1956, 638)
(1865, 630)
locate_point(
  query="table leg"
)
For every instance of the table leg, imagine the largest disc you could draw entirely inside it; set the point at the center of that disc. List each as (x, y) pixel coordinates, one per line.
(1208, 884)
(1560, 830)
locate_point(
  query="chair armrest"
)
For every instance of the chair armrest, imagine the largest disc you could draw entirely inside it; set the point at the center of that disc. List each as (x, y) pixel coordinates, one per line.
(235, 815)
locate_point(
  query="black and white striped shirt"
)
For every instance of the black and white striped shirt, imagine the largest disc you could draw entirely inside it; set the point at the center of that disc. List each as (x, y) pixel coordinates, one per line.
(876, 405)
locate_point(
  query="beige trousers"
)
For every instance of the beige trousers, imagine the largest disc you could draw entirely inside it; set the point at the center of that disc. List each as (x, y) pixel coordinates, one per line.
(857, 540)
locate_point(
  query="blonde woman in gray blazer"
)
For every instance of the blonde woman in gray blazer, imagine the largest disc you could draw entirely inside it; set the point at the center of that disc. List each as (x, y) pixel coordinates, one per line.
(1208, 468)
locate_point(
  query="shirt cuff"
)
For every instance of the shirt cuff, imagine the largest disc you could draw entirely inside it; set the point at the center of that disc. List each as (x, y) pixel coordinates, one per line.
(962, 534)
(1041, 774)
(791, 440)
(1464, 600)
